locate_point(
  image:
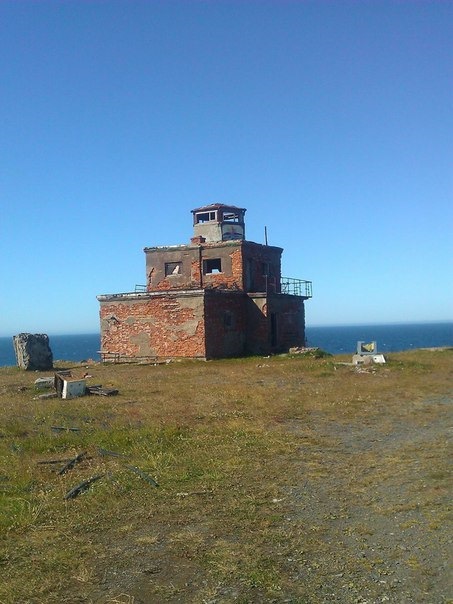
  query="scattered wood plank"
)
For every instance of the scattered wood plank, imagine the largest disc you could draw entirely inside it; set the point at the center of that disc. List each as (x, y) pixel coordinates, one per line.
(45, 396)
(55, 461)
(51, 461)
(82, 487)
(72, 462)
(102, 391)
(64, 429)
(64, 372)
(106, 452)
(143, 475)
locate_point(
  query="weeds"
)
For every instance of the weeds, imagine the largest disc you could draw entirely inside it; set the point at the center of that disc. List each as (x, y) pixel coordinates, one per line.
(278, 479)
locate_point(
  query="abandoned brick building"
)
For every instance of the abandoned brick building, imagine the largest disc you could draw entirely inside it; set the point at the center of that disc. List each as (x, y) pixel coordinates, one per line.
(218, 296)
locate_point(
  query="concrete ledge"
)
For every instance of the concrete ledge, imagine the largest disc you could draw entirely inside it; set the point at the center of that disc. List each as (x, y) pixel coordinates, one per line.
(174, 293)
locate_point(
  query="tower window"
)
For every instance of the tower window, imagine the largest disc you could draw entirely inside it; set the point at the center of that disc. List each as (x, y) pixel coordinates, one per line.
(230, 217)
(202, 217)
(173, 268)
(211, 266)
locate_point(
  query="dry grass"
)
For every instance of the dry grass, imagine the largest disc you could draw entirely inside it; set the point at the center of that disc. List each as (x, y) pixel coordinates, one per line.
(280, 480)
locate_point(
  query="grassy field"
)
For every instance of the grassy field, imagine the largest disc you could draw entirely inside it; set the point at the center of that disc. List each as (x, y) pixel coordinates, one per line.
(280, 479)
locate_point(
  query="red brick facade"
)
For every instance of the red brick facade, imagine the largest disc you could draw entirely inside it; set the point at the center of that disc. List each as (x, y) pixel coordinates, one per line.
(205, 300)
(153, 325)
(236, 265)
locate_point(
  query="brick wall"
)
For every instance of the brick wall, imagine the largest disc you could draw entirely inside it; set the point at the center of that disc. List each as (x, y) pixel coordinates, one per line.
(157, 258)
(290, 321)
(163, 325)
(203, 323)
(258, 333)
(231, 276)
(259, 260)
(275, 323)
(243, 266)
(226, 324)
(195, 313)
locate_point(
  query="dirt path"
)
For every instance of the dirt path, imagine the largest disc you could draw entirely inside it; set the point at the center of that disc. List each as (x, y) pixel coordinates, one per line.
(362, 515)
(371, 497)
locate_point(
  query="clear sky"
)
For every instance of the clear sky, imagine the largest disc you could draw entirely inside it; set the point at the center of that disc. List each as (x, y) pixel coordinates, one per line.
(331, 122)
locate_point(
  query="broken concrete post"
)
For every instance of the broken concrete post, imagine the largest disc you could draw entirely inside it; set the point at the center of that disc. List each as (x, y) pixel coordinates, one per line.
(33, 351)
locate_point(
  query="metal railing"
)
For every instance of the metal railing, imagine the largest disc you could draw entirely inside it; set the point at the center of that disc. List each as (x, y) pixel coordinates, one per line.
(296, 287)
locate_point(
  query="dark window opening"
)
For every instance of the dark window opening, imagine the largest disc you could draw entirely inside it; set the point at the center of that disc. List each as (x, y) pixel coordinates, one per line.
(202, 217)
(173, 268)
(230, 217)
(211, 266)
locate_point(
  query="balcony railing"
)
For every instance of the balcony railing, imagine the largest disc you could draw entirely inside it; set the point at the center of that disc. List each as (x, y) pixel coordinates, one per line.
(296, 287)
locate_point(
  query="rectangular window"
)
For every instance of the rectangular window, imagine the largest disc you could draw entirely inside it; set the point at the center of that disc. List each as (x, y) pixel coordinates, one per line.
(173, 268)
(202, 217)
(212, 266)
(230, 217)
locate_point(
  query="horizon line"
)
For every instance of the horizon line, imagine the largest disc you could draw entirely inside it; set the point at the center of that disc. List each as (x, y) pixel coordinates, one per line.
(371, 324)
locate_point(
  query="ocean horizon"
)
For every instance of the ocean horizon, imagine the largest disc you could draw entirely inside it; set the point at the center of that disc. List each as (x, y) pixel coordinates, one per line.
(336, 339)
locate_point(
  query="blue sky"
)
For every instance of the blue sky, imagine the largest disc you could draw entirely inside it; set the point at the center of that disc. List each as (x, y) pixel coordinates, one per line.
(331, 122)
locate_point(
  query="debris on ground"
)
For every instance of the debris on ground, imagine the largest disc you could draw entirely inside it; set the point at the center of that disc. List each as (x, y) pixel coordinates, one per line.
(72, 462)
(106, 452)
(69, 464)
(367, 354)
(45, 396)
(360, 359)
(68, 385)
(301, 349)
(186, 494)
(143, 475)
(82, 487)
(102, 391)
(45, 382)
(52, 461)
(315, 352)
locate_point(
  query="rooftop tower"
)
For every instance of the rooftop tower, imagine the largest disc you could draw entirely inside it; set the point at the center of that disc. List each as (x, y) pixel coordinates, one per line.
(219, 222)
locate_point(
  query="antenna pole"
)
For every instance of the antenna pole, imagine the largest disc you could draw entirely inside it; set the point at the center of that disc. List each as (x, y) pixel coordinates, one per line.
(265, 235)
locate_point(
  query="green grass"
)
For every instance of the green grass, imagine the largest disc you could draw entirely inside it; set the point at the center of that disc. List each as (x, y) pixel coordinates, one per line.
(273, 473)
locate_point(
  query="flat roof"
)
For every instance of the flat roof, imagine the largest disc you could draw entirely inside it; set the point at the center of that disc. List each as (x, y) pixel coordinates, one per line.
(218, 206)
(210, 245)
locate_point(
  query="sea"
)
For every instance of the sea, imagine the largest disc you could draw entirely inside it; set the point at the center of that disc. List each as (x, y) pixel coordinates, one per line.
(334, 339)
